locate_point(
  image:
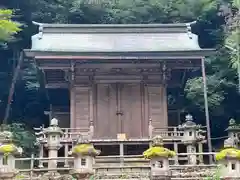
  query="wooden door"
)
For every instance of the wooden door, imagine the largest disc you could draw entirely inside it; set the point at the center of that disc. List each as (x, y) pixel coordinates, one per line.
(120, 109)
(134, 124)
(105, 120)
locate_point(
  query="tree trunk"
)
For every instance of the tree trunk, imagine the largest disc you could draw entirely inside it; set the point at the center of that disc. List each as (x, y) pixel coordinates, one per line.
(12, 88)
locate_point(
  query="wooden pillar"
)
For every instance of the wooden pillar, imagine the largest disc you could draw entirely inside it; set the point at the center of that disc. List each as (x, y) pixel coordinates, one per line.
(165, 105)
(150, 129)
(72, 107)
(91, 112)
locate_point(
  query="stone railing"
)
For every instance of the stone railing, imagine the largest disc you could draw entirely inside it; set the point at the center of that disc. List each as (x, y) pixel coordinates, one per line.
(107, 161)
(69, 134)
(108, 166)
(115, 167)
(171, 133)
(85, 160)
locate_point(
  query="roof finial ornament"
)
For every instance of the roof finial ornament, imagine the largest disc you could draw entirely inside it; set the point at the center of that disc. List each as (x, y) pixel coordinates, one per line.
(40, 29)
(189, 28)
(54, 122)
(188, 117)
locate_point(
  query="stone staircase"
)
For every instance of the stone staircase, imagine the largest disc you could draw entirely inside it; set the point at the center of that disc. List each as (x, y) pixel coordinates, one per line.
(136, 167)
(116, 167)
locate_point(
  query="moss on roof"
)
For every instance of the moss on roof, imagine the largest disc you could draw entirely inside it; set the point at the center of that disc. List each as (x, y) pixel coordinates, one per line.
(228, 153)
(85, 149)
(158, 152)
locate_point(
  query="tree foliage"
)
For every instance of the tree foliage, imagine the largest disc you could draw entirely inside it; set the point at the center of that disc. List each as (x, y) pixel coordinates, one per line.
(23, 137)
(232, 39)
(28, 104)
(7, 27)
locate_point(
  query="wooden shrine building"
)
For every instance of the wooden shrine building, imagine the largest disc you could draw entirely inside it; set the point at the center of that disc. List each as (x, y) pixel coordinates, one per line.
(113, 77)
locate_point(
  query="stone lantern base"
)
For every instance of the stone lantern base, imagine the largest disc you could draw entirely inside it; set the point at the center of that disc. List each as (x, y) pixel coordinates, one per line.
(51, 175)
(7, 173)
(160, 178)
(161, 175)
(81, 174)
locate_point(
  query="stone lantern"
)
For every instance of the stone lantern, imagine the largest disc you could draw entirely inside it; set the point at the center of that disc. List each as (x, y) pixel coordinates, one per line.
(192, 135)
(84, 157)
(233, 131)
(7, 153)
(229, 158)
(159, 159)
(190, 129)
(53, 133)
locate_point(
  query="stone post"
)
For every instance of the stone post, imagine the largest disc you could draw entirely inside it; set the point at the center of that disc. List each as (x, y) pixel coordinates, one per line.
(53, 133)
(159, 159)
(192, 136)
(229, 158)
(84, 157)
(7, 159)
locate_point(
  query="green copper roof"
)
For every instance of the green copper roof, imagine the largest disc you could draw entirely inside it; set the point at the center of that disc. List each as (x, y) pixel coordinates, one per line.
(114, 38)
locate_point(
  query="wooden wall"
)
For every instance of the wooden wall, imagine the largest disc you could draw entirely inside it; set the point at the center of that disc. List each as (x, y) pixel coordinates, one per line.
(63, 119)
(157, 105)
(119, 108)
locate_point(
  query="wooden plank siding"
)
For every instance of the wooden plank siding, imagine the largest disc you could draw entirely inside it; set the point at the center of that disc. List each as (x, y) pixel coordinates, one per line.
(82, 107)
(136, 101)
(157, 105)
(134, 123)
(105, 121)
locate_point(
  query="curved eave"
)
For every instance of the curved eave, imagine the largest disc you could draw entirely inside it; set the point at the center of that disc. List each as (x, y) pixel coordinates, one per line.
(158, 55)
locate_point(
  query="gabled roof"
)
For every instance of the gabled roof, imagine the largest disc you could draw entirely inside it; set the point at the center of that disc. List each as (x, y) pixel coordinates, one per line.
(114, 38)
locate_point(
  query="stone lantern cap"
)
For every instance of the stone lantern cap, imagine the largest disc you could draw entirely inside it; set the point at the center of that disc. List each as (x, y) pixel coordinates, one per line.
(53, 128)
(84, 148)
(233, 126)
(189, 124)
(6, 145)
(229, 151)
(157, 149)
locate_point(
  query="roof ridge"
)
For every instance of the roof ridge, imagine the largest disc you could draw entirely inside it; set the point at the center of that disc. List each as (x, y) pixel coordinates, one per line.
(113, 28)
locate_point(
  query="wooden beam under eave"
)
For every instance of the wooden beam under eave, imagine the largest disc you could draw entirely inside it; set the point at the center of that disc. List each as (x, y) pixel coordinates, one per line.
(56, 112)
(54, 67)
(131, 54)
(57, 85)
(172, 65)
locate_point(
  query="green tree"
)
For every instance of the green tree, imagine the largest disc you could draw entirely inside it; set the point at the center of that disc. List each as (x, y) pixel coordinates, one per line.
(209, 29)
(8, 28)
(232, 40)
(23, 137)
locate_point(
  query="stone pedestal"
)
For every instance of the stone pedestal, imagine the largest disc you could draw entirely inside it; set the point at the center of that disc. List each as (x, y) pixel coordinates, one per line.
(192, 158)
